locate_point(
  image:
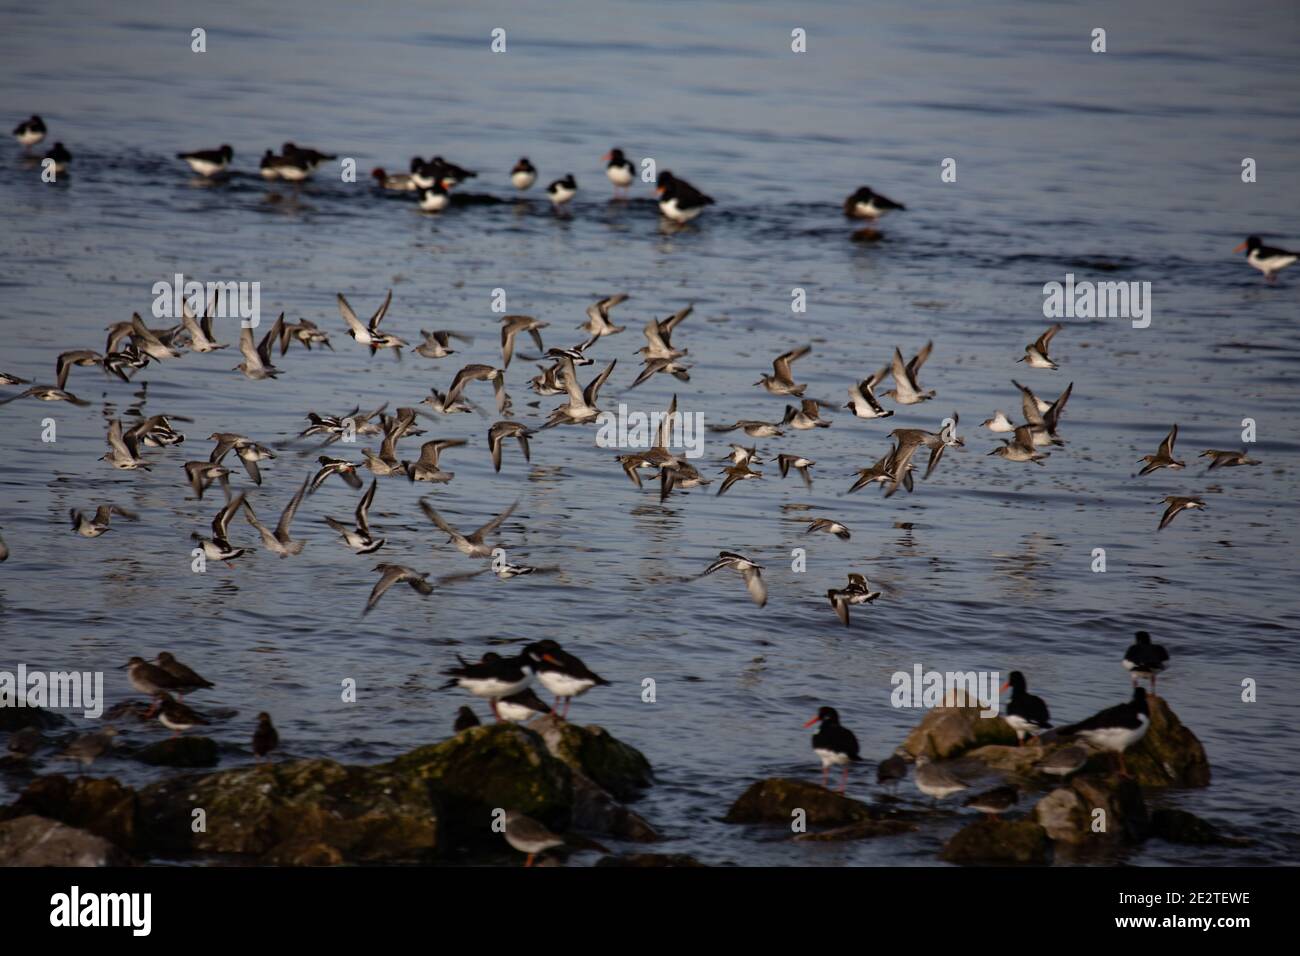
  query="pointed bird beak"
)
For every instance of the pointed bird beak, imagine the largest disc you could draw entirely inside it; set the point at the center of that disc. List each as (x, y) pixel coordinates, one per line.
(605, 158)
(1240, 246)
(813, 721)
(1006, 686)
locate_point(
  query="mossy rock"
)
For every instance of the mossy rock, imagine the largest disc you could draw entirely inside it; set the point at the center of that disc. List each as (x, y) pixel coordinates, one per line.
(367, 814)
(488, 768)
(1169, 755)
(947, 732)
(100, 805)
(998, 842)
(187, 752)
(774, 801)
(615, 766)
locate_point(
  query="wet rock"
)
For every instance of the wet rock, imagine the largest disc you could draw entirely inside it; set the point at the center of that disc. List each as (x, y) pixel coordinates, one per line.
(613, 765)
(32, 840)
(483, 769)
(101, 805)
(305, 853)
(16, 718)
(595, 810)
(365, 814)
(1068, 814)
(774, 801)
(998, 842)
(1169, 755)
(649, 860)
(1179, 826)
(862, 831)
(180, 752)
(946, 732)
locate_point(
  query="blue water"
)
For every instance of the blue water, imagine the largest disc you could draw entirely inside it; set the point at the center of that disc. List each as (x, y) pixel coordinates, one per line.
(1121, 166)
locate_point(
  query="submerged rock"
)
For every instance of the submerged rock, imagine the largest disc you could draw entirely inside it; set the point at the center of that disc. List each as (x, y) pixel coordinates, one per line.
(995, 841)
(180, 752)
(16, 718)
(32, 840)
(1179, 826)
(774, 801)
(862, 831)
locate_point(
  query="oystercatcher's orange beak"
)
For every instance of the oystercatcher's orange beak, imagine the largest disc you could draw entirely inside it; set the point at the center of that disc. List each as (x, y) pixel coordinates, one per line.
(1006, 686)
(813, 721)
(605, 158)
(659, 190)
(1240, 247)
(549, 659)
(448, 183)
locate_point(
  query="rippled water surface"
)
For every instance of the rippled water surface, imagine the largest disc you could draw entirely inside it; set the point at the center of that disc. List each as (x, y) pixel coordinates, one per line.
(1120, 166)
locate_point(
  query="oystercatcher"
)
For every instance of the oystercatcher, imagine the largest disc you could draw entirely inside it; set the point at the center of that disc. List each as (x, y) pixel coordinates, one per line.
(1145, 658)
(523, 175)
(834, 744)
(435, 198)
(1267, 259)
(31, 131)
(522, 706)
(562, 190)
(1025, 713)
(619, 169)
(60, 157)
(865, 204)
(494, 676)
(209, 162)
(678, 199)
(562, 674)
(1116, 728)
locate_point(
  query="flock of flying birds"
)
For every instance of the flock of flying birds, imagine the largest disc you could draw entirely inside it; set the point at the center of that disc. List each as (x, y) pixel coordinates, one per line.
(505, 683)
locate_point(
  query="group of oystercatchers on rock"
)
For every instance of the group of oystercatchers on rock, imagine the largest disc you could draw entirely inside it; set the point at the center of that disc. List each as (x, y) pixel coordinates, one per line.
(1112, 730)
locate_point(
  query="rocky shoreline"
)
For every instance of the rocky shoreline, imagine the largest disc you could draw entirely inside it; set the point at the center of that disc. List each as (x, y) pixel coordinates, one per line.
(442, 802)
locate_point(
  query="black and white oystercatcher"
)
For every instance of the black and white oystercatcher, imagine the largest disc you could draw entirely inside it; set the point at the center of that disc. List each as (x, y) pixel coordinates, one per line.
(1267, 259)
(30, 131)
(865, 204)
(562, 674)
(678, 199)
(209, 162)
(834, 744)
(1025, 713)
(1145, 659)
(1116, 728)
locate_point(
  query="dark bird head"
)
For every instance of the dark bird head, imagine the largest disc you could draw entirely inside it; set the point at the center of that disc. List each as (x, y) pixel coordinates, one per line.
(264, 718)
(1252, 243)
(134, 660)
(825, 715)
(1015, 682)
(665, 182)
(863, 194)
(546, 650)
(615, 155)
(1142, 637)
(416, 163)
(166, 657)
(227, 152)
